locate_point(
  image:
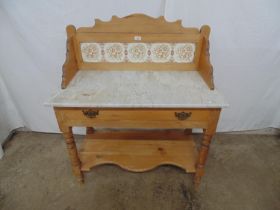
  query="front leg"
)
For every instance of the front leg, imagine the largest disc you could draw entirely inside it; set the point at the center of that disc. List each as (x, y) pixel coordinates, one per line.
(73, 154)
(202, 157)
(204, 148)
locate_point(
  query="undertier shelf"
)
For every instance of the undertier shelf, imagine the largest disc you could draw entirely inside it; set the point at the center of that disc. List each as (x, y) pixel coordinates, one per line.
(139, 151)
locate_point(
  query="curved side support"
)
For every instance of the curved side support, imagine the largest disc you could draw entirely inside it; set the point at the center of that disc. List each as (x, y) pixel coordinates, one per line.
(70, 67)
(204, 67)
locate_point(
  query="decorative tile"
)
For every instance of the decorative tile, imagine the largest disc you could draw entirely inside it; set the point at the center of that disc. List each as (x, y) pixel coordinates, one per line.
(114, 52)
(138, 52)
(160, 52)
(184, 52)
(91, 52)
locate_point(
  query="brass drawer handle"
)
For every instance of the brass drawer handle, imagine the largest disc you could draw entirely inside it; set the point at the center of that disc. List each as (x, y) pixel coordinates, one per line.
(90, 113)
(183, 115)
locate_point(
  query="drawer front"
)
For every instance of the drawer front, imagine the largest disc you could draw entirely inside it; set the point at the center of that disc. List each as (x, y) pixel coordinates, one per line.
(148, 115)
(123, 118)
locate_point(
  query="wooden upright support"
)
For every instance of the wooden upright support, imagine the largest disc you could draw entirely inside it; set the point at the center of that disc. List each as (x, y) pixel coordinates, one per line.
(73, 154)
(205, 144)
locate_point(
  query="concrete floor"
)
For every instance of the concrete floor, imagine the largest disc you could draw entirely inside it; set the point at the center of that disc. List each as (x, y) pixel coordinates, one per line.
(243, 172)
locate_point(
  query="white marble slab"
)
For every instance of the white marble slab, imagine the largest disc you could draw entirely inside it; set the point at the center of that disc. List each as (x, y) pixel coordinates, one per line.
(138, 89)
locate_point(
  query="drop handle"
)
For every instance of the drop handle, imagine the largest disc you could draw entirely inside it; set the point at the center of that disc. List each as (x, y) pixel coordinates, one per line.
(183, 115)
(90, 113)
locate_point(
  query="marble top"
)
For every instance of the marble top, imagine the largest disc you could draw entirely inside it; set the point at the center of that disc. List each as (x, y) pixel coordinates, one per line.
(138, 89)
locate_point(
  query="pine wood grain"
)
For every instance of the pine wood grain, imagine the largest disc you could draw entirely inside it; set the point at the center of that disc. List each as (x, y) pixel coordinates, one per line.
(138, 155)
(136, 23)
(137, 118)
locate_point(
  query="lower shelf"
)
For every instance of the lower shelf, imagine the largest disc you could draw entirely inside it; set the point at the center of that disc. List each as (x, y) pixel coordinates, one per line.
(138, 154)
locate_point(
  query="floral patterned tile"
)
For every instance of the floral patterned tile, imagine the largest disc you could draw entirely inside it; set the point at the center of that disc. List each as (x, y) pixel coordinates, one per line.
(138, 52)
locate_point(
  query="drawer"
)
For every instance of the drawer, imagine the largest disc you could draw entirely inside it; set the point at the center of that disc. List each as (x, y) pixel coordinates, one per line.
(133, 118)
(95, 115)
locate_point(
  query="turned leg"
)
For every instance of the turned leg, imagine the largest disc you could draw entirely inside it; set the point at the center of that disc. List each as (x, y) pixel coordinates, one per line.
(202, 157)
(73, 154)
(90, 130)
(205, 144)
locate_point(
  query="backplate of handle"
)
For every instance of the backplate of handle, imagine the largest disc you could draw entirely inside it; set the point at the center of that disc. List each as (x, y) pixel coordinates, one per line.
(90, 113)
(182, 115)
